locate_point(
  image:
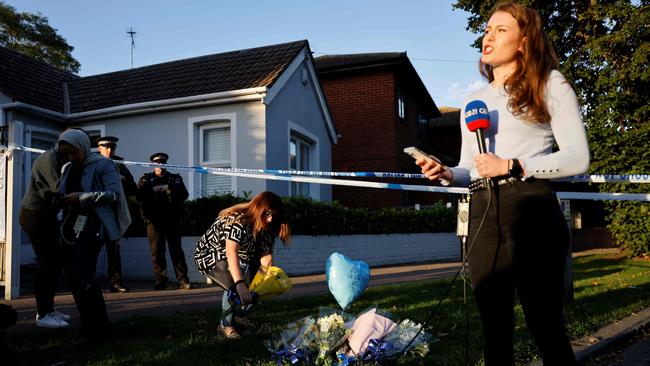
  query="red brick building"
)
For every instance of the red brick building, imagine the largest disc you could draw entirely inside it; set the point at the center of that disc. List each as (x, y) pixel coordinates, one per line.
(444, 135)
(379, 106)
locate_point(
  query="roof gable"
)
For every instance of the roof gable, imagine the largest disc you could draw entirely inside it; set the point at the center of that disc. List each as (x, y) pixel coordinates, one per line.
(353, 64)
(242, 69)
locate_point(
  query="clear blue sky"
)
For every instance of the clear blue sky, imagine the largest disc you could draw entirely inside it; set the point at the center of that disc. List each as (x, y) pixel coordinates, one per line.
(428, 30)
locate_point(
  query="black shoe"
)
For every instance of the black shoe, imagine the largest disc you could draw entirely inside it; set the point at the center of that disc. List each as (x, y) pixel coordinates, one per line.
(184, 285)
(118, 287)
(160, 285)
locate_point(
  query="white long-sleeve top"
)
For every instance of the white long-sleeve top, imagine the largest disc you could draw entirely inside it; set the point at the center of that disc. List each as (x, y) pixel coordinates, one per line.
(511, 137)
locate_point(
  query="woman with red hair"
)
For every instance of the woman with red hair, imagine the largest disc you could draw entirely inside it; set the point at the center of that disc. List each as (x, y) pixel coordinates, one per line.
(240, 240)
(518, 238)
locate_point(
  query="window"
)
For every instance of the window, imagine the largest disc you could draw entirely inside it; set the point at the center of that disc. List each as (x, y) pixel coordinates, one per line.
(44, 140)
(215, 153)
(401, 105)
(299, 159)
(94, 134)
(423, 127)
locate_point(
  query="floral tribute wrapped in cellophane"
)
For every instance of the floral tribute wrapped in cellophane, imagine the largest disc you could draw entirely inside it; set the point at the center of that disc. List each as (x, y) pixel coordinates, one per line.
(335, 338)
(269, 282)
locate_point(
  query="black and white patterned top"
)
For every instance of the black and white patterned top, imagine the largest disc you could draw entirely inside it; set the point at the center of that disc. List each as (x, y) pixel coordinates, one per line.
(212, 245)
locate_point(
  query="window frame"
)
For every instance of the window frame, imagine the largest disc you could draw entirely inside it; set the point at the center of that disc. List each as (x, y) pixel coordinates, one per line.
(213, 164)
(194, 183)
(299, 142)
(296, 130)
(401, 104)
(28, 161)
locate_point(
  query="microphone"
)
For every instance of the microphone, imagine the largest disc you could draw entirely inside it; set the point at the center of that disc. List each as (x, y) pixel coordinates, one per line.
(477, 119)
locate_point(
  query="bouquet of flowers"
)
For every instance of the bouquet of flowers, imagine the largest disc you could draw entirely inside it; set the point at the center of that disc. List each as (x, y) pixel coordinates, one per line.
(403, 334)
(298, 342)
(328, 340)
(367, 327)
(333, 334)
(311, 340)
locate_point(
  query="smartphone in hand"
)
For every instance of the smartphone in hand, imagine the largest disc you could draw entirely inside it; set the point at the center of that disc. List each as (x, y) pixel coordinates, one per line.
(417, 153)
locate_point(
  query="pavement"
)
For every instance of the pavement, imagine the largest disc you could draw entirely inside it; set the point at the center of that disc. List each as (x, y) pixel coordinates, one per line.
(142, 300)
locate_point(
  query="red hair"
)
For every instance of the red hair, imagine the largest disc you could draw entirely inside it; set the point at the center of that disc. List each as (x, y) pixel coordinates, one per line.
(526, 86)
(254, 213)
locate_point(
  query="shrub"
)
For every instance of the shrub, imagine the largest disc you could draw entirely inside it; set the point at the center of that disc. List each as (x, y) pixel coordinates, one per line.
(310, 217)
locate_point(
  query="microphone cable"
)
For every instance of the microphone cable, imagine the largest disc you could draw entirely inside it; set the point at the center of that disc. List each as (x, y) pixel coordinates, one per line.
(433, 312)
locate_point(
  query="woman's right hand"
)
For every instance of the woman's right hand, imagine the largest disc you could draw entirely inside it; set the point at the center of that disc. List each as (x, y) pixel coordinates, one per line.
(433, 170)
(68, 199)
(244, 294)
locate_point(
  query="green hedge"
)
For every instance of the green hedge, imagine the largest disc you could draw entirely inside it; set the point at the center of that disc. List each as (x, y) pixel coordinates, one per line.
(310, 217)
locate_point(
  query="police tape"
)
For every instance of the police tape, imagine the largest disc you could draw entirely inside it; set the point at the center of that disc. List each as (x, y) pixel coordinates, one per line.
(604, 196)
(287, 176)
(246, 173)
(308, 177)
(606, 178)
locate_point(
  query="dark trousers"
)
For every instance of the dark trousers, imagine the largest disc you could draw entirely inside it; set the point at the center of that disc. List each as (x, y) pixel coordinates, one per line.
(114, 262)
(158, 234)
(80, 267)
(522, 245)
(43, 231)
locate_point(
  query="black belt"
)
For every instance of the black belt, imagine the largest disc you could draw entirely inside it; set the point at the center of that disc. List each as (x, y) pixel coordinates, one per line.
(479, 184)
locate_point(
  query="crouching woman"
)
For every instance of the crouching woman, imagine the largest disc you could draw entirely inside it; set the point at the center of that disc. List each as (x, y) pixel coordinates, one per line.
(238, 242)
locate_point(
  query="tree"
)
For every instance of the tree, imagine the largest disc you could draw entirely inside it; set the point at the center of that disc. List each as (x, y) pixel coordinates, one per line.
(604, 51)
(31, 35)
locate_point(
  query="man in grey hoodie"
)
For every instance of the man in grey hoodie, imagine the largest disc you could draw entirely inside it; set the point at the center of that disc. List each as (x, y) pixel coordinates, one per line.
(38, 220)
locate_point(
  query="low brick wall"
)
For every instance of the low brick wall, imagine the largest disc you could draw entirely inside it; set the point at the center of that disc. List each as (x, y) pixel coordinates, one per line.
(306, 254)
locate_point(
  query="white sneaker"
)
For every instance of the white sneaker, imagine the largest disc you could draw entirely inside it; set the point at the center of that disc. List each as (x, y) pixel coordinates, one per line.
(50, 321)
(61, 315)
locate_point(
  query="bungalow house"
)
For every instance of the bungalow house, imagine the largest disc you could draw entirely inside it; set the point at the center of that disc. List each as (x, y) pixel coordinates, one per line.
(379, 106)
(258, 108)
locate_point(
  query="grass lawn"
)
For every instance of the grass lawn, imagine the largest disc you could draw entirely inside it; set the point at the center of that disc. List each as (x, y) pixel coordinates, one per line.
(607, 288)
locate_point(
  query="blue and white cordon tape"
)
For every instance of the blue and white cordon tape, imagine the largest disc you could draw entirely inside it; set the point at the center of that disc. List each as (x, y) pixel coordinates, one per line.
(310, 177)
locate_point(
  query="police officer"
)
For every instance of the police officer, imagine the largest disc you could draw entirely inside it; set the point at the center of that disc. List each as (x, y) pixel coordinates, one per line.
(107, 146)
(161, 195)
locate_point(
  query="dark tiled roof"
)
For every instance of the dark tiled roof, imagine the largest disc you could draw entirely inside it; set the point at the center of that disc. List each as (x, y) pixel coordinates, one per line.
(358, 60)
(450, 116)
(29, 81)
(249, 68)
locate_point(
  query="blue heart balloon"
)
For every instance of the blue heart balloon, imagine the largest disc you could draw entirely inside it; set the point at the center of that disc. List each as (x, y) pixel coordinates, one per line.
(346, 278)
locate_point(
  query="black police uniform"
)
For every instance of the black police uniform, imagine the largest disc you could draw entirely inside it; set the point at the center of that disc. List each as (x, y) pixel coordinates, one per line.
(162, 212)
(114, 258)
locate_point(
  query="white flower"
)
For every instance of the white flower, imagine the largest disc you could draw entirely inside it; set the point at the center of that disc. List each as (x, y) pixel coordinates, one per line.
(402, 335)
(333, 321)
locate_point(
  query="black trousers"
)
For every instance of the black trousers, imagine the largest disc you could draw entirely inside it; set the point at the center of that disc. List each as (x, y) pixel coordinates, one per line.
(171, 233)
(80, 267)
(521, 246)
(114, 262)
(43, 231)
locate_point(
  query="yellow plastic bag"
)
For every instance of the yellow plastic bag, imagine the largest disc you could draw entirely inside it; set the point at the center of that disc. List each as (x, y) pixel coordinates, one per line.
(270, 282)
